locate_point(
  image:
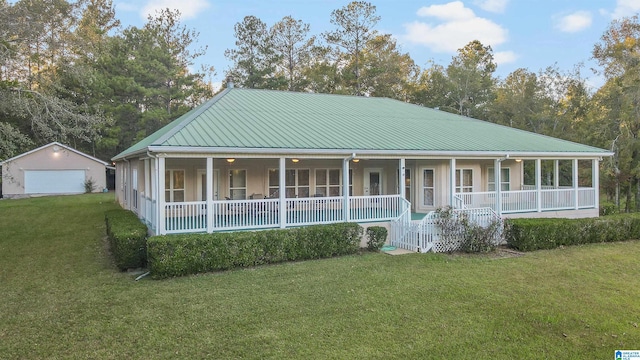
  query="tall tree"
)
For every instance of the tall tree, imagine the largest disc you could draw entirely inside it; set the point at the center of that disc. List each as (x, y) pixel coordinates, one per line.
(292, 46)
(33, 56)
(355, 27)
(431, 88)
(144, 79)
(97, 19)
(386, 72)
(254, 58)
(321, 73)
(471, 78)
(618, 52)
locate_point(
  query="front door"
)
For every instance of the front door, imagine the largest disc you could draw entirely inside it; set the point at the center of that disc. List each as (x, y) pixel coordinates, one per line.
(373, 184)
(202, 184)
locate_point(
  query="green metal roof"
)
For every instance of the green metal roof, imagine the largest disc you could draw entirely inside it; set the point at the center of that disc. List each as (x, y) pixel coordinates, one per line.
(276, 120)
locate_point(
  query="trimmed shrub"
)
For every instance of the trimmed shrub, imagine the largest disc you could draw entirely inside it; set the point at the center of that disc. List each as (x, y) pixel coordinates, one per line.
(184, 254)
(538, 234)
(127, 239)
(608, 208)
(376, 237)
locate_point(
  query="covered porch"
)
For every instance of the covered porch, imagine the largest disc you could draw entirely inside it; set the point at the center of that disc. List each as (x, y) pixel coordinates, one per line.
(203, 193)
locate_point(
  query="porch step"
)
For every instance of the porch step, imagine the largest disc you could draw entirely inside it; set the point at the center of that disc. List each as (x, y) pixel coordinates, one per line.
(399, 251)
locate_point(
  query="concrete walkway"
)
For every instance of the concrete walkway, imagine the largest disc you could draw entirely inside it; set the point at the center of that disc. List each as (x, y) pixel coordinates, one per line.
(398, 251)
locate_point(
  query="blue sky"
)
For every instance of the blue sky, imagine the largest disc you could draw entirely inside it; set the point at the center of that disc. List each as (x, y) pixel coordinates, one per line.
(531, 34)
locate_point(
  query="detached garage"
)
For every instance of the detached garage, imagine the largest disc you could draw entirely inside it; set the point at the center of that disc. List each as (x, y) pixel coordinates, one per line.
(52, 169)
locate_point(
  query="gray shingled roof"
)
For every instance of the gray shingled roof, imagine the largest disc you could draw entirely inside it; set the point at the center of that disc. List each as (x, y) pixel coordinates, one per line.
(288, 121)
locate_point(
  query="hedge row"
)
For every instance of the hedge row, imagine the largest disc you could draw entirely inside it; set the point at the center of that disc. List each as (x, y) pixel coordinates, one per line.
(127, 239)
(177, 255)
(536, 234)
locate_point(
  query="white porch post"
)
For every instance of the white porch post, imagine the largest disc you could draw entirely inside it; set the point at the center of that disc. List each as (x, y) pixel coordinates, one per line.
(209, 193)
(282, 195)
(497, 163)
(153, 194)
(595, 182)
(345, 189)
(539, 184)
(161, 212)
(574, 177)
(452, 182)
(556, 174)
(402, 177)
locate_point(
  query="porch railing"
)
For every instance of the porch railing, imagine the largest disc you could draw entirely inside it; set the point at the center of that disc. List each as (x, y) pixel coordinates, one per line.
(181, 217)
(403, 233)
(519, 201)
(148, 211)
(186, 217)
(245, 214)
(545, 187)
(318, 210)
(527, 200)
(558, 199)
(375, 208)
(586, 198)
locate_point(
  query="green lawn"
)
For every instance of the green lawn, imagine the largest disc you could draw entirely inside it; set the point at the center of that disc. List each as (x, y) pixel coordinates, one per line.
(60, 297)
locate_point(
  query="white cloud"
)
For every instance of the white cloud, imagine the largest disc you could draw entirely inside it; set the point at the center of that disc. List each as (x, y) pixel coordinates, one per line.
(188, 8)
(575, 22)
(495, 6)
(625, 8)
(504, 57)
(451, 11)
(457, 26)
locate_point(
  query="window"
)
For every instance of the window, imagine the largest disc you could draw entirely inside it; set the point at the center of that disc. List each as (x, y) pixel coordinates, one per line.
(174, 185)
(464, 180)
(505, 179)
(238, 184)
(428, 187)
(328, 182)
(296, 183)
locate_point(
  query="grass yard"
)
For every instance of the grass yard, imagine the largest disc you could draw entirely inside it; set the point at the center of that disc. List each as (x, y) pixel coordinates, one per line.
(61, 297)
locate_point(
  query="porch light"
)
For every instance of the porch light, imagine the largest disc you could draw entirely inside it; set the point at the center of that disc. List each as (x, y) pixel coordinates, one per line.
(231, 160)
(295, 160)
(518, 160)
(56, 148)
(356, 160)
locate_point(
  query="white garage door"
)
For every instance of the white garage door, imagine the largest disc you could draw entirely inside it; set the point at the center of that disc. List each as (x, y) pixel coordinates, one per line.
(53, 181)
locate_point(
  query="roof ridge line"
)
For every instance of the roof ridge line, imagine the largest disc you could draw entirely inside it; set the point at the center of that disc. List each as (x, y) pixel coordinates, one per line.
(54, 143)
(191, 117)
